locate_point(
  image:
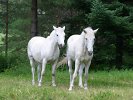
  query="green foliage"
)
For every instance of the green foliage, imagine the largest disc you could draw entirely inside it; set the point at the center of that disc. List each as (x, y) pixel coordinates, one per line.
(7, 63)
(19, 32)
(1, 38)
(113, 21)
(99, 17)
(3, 63)
(113, 18)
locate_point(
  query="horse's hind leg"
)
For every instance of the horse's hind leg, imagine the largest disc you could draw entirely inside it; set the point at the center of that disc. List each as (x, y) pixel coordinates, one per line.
(80, 75)
(70, 69)
(32, 69)
(43, 71)
(39, 71)
(53, 72)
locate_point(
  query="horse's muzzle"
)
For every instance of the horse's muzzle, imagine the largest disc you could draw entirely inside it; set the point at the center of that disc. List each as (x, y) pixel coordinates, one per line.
(90, 53)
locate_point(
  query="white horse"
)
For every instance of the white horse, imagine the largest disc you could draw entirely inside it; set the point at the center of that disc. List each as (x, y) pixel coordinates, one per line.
(42, 50)
(80, 50)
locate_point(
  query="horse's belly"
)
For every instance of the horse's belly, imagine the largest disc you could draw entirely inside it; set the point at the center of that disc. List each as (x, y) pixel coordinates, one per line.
(54, 56)
(37, 57)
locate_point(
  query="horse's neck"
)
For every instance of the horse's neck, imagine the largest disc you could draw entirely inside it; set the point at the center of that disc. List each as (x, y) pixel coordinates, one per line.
(52, 33)
(84, 44)
(52, 40)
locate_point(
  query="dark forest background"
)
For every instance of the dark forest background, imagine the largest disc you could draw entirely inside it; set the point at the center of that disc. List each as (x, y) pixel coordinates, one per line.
(22, 19)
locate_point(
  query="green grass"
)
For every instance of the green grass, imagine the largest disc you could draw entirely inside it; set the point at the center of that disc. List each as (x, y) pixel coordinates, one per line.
(15, 84)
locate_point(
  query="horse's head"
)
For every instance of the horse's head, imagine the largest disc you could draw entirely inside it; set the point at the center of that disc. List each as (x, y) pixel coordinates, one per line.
(60, 35)
(90, 39)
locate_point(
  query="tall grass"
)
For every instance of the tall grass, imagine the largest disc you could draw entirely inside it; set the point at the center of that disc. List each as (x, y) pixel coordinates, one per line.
(15, 84)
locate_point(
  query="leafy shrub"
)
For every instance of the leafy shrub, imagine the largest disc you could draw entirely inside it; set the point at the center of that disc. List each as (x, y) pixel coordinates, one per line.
(3, 63)
(7, 63)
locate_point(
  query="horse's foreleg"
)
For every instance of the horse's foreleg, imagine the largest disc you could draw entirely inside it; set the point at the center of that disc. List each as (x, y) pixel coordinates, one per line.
(53, 72)
(86, 74)
(43, 71)
(32, 69)
(80, 75)
(70, 69)
(77, 63)
(39, 71)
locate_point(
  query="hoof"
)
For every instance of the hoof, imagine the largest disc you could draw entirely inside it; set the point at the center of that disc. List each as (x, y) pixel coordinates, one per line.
(54, 85)
(86, 88)
(33, 83)
(39, 84)
(70, 89)
(81, 86)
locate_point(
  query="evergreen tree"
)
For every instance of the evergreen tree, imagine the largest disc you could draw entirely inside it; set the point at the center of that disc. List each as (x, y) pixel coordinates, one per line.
(113, 23)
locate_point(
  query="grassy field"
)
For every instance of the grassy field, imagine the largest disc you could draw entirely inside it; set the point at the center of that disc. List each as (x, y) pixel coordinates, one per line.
(15, 84)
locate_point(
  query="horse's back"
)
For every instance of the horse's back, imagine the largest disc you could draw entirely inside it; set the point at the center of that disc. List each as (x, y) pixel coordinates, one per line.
(73, 39)
(36, 39)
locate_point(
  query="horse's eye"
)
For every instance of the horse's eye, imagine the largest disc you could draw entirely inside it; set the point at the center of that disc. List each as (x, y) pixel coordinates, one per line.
(86, 38)
(57, 34)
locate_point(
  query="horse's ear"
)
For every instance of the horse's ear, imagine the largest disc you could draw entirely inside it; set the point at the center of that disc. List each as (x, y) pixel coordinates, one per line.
(54, 28)
(63, 27)
(96, 30)
(85, 31)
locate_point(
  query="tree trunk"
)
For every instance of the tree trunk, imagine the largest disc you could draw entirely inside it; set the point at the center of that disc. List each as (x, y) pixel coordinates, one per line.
(119, 51)
(34, 24)
(6, 36)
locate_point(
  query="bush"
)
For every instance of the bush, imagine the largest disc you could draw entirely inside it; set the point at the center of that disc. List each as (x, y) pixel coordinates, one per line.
(11, 61)
(3, 63)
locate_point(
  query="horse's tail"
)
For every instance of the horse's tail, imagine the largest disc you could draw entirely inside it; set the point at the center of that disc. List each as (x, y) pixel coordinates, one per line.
(62, 62)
